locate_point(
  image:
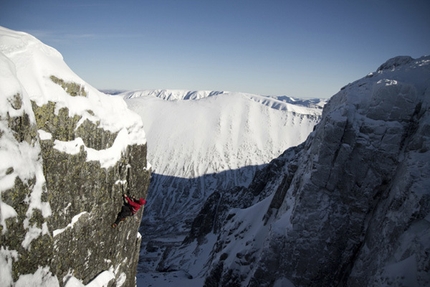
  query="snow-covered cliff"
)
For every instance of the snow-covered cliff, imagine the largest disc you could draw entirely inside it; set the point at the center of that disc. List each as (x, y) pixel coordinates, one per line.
(68, 153)
(348, 207)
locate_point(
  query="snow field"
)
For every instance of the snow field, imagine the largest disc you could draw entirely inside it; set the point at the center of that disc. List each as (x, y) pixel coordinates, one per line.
(191, 138)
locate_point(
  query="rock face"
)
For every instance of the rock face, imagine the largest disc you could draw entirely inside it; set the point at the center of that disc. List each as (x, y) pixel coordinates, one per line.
(68, 154)
(348, 207)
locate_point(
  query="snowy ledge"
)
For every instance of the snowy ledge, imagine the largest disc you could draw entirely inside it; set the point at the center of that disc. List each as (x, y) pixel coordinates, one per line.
(107, 157)
(43, 135)
(70, 225)
(101, 280)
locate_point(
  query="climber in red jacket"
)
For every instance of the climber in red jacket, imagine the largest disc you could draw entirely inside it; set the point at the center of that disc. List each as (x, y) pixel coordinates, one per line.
(130, 207)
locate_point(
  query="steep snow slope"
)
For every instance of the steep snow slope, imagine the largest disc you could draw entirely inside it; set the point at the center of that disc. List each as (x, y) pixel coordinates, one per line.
(56, 134)
(194, 133)
(348, 207)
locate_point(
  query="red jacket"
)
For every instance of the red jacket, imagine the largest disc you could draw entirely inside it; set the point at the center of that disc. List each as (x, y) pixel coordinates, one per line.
(135, 205)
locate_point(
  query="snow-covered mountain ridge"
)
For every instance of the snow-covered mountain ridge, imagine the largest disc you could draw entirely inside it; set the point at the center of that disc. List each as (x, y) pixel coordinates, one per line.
(178, 95)
(348, 207)
(219, 130)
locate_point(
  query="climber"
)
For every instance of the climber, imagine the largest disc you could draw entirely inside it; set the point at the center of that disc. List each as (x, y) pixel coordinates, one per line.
(130, 207)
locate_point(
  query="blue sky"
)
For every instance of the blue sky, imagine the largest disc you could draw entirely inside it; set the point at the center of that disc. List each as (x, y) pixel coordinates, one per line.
(272, 47)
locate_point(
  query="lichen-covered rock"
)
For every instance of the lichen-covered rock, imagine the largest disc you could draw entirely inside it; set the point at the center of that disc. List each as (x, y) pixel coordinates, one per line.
(68, 154)
(83, 190)
(24, 210)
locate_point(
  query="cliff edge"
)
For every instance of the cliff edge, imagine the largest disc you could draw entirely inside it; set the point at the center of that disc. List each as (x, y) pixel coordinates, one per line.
(68, 154)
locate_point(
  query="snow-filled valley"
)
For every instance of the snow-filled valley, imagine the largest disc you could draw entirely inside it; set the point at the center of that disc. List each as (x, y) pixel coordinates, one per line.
(202, 141)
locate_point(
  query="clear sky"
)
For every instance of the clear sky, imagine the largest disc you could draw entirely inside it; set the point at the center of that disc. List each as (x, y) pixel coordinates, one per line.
(298, 48)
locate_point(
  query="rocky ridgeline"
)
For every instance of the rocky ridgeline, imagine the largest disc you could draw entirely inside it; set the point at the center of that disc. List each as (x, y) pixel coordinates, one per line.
(63, 173)
(348, 207)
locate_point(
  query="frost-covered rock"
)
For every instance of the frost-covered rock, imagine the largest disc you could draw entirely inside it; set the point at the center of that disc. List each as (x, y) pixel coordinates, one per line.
(68, 153)
(348, 207)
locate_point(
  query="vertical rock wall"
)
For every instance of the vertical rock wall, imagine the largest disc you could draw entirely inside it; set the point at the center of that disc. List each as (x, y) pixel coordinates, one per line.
(89, 196)
(24, 237)
(67, 155)
(76, 238)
